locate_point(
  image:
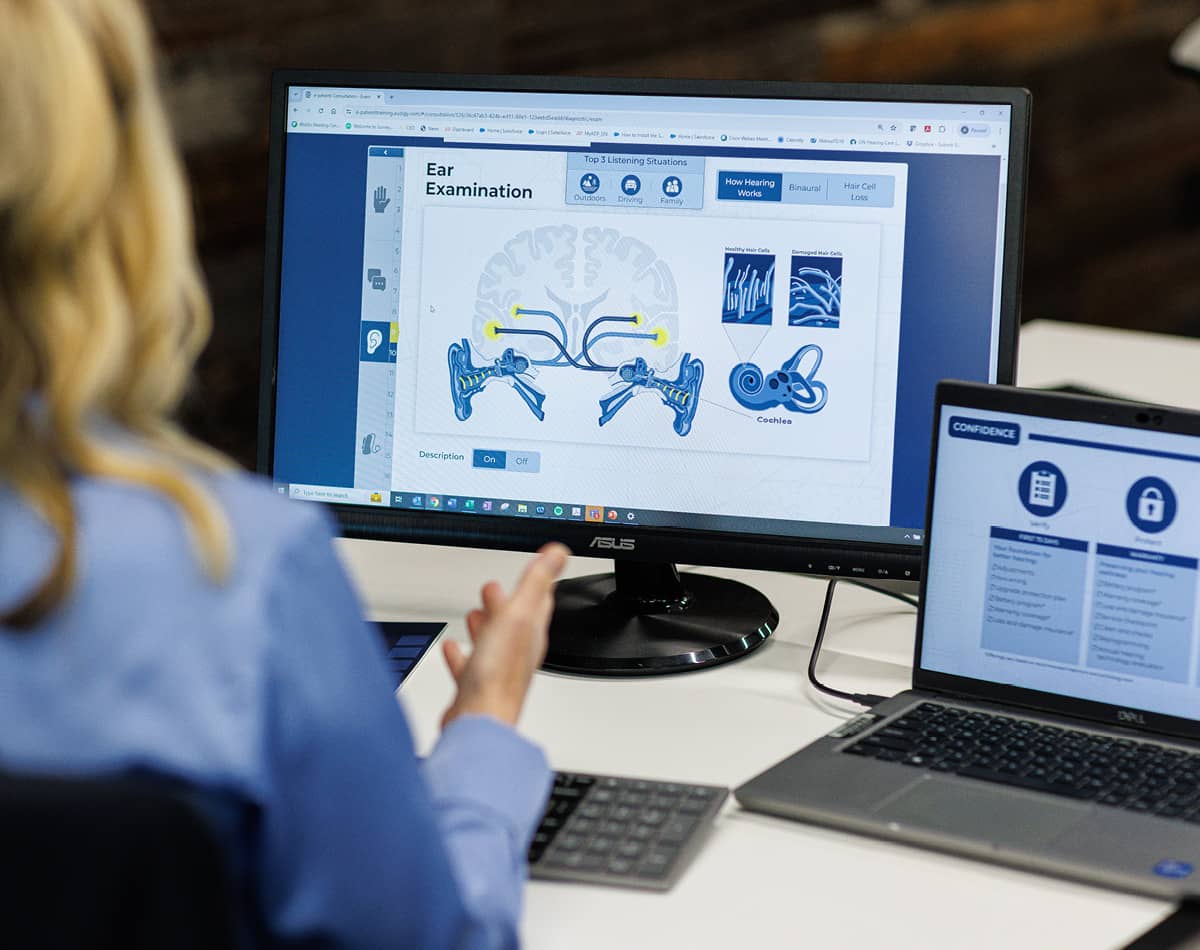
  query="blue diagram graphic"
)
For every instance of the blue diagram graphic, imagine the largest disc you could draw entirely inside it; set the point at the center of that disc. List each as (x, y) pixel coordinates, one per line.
(467, 379)
(749, 289)
(815, 291)
(790, 386)
(681, 395)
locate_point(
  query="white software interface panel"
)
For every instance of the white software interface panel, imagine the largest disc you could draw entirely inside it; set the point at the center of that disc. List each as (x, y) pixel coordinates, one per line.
(626, 322)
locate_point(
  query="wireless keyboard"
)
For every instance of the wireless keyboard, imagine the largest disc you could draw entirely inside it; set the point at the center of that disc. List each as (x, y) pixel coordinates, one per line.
(599, 829)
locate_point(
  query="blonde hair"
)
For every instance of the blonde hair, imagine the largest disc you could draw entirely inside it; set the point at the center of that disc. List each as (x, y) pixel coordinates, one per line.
(102, 307)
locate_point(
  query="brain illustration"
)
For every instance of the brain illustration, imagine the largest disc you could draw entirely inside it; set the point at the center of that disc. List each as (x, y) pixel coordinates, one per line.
(578, 276)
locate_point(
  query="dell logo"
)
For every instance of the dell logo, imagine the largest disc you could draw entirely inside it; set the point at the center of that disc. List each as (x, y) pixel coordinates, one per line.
(613, 544)
(1127, 715)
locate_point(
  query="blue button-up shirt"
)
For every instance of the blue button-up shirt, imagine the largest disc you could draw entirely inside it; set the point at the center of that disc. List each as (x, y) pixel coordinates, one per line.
(267, 691)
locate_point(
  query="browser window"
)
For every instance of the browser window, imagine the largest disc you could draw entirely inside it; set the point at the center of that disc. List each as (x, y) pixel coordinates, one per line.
(677, 311)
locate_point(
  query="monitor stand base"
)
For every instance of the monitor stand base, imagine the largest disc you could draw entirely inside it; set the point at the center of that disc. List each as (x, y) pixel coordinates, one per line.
(645, 619)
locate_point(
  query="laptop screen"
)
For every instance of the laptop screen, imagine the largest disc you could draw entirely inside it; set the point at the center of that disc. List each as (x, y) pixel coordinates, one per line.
(1063, 558)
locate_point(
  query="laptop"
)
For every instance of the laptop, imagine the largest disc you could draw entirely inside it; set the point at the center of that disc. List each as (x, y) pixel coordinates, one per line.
(1054, 719)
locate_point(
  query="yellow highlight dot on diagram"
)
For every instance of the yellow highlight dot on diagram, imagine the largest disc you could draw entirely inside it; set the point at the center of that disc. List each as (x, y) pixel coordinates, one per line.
(638, 319)
(516, 315)
(491, 329)
(660, 336)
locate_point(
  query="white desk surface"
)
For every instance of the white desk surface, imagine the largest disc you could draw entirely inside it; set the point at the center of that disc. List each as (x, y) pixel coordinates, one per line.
(763, 882)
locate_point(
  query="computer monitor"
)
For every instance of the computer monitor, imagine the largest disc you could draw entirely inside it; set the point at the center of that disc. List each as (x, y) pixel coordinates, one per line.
(664, 322)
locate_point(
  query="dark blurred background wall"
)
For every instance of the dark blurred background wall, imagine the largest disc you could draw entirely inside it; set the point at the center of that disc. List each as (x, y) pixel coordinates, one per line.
(1113, 230)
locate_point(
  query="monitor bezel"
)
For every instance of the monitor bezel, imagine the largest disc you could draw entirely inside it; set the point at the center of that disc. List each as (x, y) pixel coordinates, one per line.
(808, 555)
(1071, 407)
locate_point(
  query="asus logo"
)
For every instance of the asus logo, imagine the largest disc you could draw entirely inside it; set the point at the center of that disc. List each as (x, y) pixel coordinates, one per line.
(613, 544)
(1125, 715)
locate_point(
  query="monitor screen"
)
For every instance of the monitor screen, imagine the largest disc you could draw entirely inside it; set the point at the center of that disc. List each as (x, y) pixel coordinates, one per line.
(660, 321)
(1063, 557)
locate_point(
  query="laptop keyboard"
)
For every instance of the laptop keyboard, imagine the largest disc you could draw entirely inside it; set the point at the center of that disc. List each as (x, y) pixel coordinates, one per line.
(1137, 776)
(599, 829)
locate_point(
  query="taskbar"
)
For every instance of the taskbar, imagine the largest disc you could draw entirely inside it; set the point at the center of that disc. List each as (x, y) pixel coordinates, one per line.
(462, 504)
(598, 514)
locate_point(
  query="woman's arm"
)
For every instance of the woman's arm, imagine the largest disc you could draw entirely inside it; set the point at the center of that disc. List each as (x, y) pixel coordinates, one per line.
(357, 846)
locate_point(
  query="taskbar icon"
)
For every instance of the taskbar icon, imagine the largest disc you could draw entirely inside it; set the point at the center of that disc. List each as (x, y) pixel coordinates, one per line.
(513, 507)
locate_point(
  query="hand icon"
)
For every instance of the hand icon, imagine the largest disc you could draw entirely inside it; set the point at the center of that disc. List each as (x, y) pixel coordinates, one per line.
(381, 199)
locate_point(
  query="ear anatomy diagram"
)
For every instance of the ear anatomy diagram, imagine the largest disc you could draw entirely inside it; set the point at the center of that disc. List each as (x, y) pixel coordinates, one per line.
(578, 332)
(815, 292)
(682, 393)
(790, 386)
(467, 379)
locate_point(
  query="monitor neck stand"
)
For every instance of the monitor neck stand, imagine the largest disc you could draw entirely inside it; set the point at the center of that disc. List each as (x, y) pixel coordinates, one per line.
(645, 619)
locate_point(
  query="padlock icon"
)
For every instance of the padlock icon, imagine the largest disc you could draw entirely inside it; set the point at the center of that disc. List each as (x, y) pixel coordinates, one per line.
(1150, 505)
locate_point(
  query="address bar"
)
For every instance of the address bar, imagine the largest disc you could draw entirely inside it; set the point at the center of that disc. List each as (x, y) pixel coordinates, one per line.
(644, 121)
(477, 115)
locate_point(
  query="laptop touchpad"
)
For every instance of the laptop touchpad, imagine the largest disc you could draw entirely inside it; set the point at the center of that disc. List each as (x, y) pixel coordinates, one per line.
(992, 814)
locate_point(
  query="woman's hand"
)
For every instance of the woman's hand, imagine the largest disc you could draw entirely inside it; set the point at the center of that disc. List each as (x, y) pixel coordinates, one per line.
(509, 638)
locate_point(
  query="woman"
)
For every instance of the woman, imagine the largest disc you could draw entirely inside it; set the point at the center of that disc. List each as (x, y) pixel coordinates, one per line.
(160, 612)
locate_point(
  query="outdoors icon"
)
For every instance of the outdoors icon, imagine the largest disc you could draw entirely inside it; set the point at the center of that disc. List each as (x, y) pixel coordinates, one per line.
(1151, 504)
(381, 200)
(1042, 489)
(631, 184)
(589, 184)
(672, 186)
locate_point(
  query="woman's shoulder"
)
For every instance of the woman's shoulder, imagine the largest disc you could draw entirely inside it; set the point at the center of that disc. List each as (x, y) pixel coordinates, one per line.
(263, 524)
(254, 506)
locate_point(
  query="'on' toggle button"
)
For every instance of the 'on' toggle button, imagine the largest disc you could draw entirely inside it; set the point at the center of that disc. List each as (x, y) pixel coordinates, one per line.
(506, 460)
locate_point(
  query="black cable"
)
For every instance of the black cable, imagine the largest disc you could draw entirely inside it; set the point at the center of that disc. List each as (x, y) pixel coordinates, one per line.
(862, 699)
